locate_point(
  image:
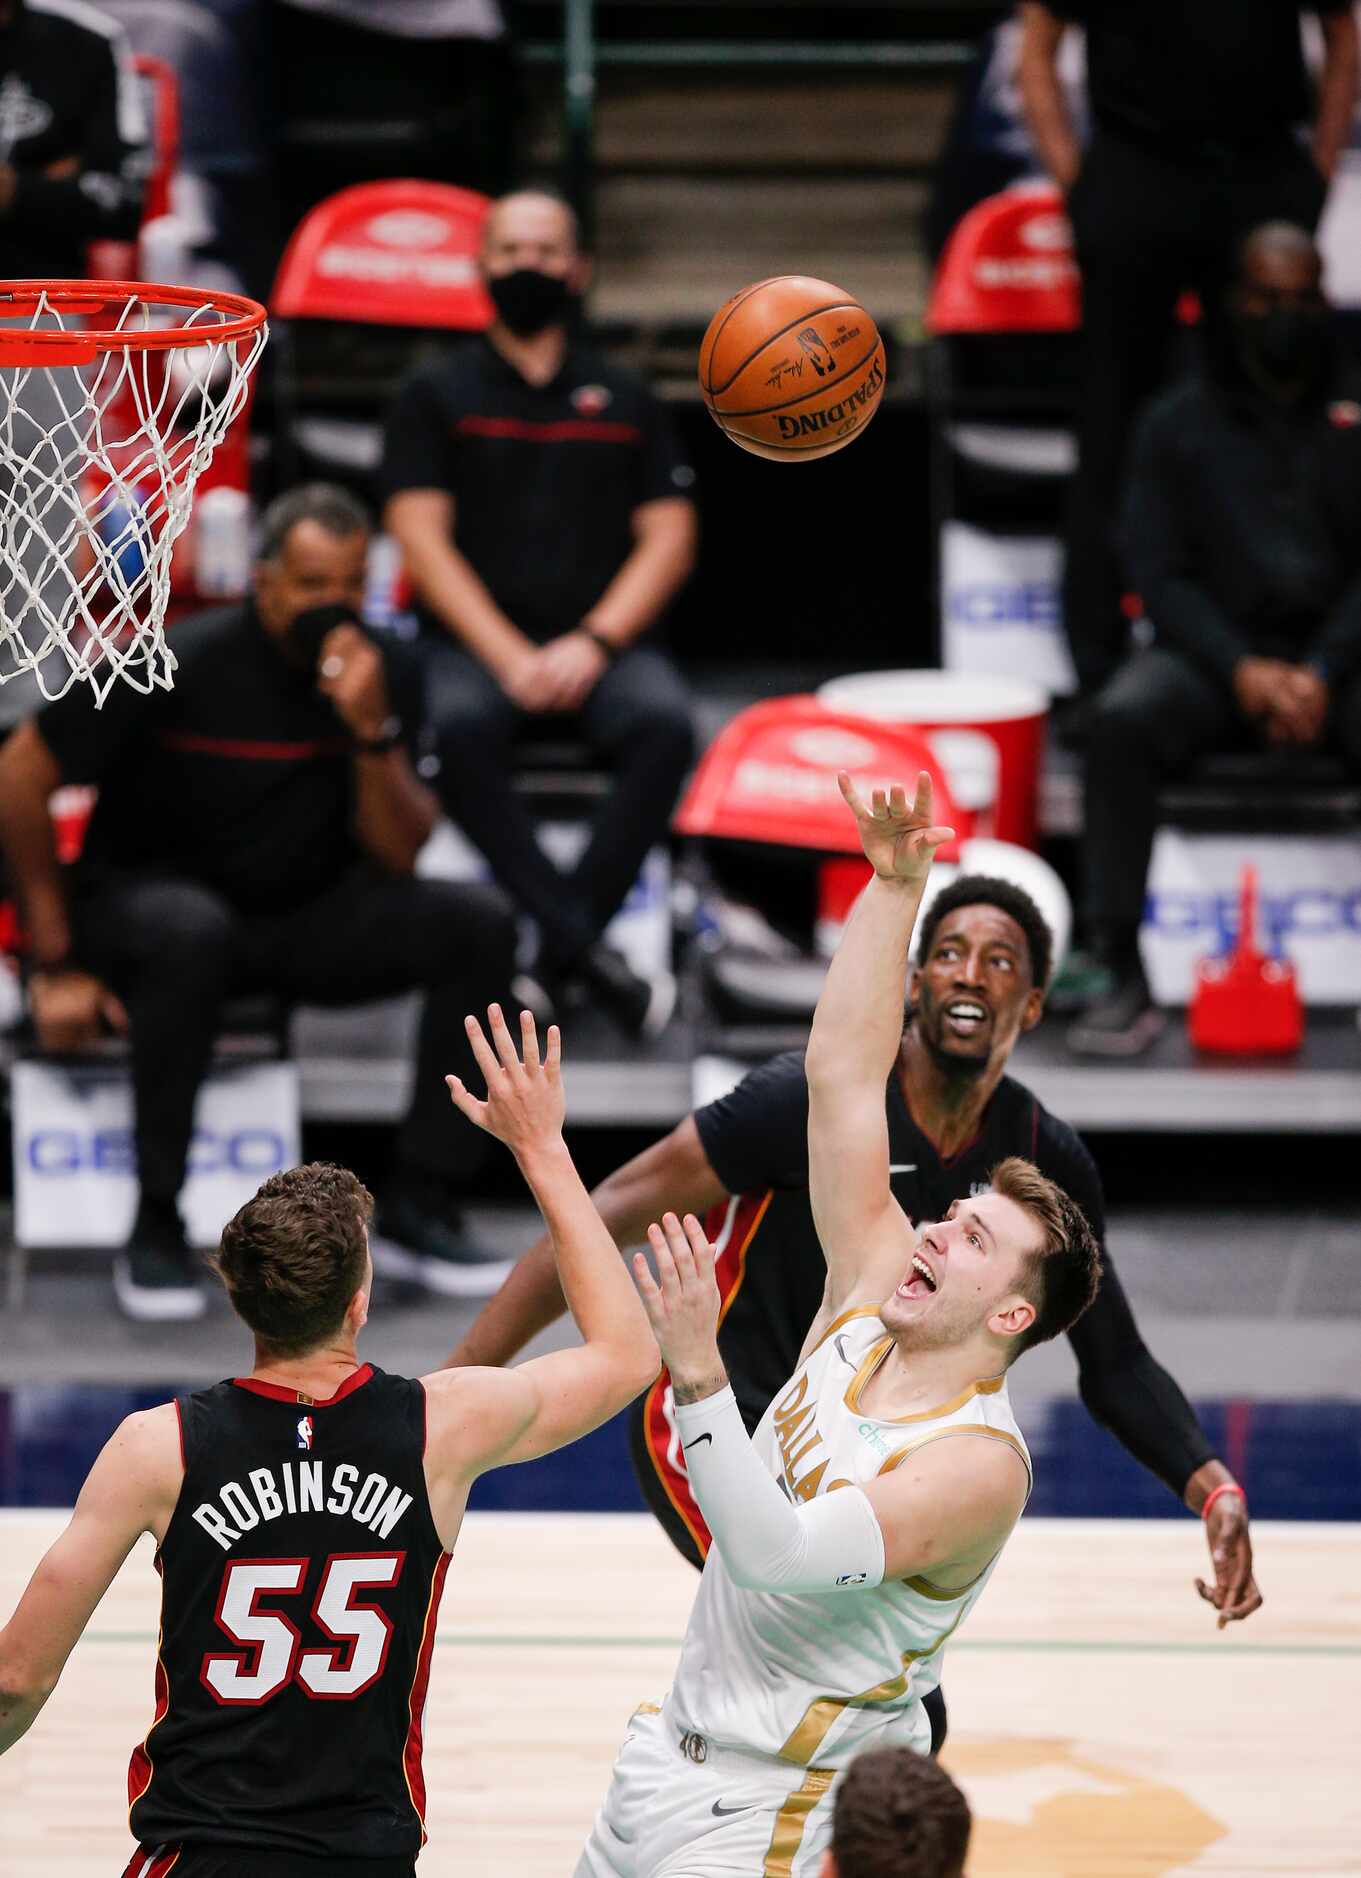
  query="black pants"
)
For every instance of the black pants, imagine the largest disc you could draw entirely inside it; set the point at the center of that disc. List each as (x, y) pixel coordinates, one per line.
(636, 722)
(174, 950)
(1147, 227)
(1155, 717)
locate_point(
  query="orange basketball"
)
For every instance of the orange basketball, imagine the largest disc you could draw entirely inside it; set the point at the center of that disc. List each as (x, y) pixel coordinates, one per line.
(792, 368)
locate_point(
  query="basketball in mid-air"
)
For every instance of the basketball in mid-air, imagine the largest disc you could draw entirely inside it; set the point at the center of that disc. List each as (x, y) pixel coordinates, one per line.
(792, 368)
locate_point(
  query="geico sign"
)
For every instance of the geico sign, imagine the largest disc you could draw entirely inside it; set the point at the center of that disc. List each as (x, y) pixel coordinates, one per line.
(1310, 913)
(64, 1151)
(1005, 603)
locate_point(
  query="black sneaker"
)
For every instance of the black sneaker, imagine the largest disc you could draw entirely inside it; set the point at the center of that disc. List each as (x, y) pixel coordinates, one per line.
(640, 1007)
(411, 1241)
(1123, 1022)
(155, 1280)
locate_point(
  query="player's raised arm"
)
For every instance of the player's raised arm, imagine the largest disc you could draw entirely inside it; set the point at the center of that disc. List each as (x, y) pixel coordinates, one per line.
(514, 1415)
(854, 1042)
(131, 1489)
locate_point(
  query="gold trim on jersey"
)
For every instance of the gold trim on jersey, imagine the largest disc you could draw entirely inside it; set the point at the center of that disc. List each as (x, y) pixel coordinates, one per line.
(899, 1455)
(791, 1822)
(859, 1310)
(988, 1385)
(826, 1710)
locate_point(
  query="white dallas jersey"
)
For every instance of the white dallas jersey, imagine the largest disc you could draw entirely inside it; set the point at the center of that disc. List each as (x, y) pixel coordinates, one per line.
(817, 1676)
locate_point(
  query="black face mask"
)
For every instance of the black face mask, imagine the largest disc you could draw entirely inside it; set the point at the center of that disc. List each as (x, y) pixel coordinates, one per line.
(527, 301)
(1287, 346)
(308, 631)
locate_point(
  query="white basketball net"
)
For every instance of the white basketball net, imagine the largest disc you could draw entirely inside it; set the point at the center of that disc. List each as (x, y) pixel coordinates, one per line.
(98, 464)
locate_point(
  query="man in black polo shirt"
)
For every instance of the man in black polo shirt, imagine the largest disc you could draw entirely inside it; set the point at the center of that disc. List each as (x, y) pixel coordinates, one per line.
(255, 830)
(1197, 108)
(953, 1113)
(1242, 533)
(542, 504)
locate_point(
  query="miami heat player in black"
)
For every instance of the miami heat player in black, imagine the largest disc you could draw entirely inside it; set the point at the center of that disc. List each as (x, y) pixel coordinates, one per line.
(741, 1163)
(304, 1516)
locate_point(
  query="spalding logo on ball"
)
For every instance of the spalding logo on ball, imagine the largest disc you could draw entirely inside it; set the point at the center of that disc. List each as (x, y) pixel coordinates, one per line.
(792, 368)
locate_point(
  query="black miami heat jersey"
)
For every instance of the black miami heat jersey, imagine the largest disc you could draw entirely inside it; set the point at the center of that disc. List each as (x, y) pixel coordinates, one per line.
(301, 1577)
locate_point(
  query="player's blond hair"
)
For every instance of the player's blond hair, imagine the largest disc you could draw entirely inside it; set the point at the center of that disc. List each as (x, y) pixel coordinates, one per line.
(1061, 1274)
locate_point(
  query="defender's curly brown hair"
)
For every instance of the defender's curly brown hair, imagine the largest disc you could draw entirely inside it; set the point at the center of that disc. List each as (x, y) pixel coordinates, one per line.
(295, 1255)
(898, 1814)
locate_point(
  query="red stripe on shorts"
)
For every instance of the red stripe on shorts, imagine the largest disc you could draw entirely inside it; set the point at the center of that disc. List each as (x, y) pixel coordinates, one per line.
(420, 1682)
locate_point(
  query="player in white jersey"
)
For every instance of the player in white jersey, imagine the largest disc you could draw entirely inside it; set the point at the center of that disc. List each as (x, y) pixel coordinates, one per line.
(855, 1530)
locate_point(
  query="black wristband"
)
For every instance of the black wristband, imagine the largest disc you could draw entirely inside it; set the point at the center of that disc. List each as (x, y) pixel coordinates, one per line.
(389, 736)
(609, 647)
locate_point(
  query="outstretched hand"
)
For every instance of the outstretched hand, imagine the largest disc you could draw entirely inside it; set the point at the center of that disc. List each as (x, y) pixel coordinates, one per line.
(682, 1301)
(899, 842)
(525, 1104)
(1234, 1593)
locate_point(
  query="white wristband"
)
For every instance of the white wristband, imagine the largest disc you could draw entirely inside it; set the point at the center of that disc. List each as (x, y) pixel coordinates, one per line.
(832, 1543)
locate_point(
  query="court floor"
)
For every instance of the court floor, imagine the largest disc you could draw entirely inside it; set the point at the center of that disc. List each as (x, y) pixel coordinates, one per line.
(1099, 1724)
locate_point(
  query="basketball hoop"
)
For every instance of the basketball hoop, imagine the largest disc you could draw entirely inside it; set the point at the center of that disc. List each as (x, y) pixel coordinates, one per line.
(136, 387)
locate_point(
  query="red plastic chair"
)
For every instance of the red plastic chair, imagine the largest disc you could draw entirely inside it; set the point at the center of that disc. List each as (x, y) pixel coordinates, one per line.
(366, 273)
(388, 254)
(1009, 267)
(770, 776)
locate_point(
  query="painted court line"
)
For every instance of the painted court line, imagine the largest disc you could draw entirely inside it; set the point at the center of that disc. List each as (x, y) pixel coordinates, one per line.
(978, 1646)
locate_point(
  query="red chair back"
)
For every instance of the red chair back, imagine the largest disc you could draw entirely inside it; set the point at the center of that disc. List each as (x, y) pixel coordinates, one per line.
(1008, 267)
(388, 254)
(770, 776)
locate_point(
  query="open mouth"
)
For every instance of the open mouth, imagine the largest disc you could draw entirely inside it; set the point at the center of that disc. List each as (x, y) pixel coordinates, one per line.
(965, 1017)
(920, 1281)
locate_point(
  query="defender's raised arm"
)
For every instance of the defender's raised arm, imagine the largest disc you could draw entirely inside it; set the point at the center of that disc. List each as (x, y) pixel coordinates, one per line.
(493, 1415)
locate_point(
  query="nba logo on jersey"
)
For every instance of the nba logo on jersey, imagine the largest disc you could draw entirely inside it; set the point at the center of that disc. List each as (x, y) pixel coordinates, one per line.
(305, 1431)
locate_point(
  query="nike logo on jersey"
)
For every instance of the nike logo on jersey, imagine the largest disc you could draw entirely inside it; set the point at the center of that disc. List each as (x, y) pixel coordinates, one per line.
(839, 1344)
(722, 1812)
(698, 1441)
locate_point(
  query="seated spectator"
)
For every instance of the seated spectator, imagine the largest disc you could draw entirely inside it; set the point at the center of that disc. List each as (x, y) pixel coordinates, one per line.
(897, 1815)
(255, 831)
(1204, 125)
(538, 494)
(72, 152)
(1242, 534)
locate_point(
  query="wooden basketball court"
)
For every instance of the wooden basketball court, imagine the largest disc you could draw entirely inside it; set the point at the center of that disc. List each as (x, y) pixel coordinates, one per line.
(1100, 1725)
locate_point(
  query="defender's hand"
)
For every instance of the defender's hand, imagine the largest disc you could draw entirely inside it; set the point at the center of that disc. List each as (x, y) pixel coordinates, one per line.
(899, 842)
(1234, 1593)
(525, 1104)
(682, 1302)
(71, 1008)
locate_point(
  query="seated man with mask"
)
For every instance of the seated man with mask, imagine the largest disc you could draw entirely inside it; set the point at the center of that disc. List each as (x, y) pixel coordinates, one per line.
(542, 503)
(255, 831)
(1242, 535)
